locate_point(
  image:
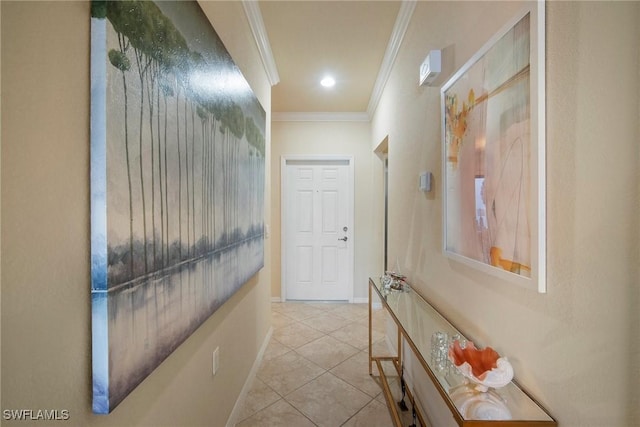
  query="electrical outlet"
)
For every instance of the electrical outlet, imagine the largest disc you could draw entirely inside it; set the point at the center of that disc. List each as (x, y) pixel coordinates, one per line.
(216, 360)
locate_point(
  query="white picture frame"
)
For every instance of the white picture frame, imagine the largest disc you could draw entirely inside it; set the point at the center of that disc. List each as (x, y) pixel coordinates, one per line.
(493, 162)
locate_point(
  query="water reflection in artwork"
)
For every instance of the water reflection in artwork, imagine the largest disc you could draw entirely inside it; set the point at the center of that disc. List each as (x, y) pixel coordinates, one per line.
(177, 171)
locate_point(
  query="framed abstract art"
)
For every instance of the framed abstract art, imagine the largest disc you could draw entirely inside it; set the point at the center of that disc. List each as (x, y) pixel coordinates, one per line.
(493, 131)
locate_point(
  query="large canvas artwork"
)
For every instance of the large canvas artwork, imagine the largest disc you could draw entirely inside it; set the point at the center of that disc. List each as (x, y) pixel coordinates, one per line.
(177, 185)
(493, 132)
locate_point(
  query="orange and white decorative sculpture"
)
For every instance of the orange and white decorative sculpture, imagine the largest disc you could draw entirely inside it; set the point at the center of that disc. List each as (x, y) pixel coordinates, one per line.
(483, 367)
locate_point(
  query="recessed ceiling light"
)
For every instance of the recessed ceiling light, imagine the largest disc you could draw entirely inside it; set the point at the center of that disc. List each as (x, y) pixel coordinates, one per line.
(328, 81)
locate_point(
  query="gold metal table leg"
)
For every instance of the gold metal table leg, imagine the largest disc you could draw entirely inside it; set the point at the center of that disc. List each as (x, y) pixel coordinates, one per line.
(370, 334)
(388, 396)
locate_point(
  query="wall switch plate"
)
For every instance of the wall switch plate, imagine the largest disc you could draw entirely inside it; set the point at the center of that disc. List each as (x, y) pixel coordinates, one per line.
(216, 360)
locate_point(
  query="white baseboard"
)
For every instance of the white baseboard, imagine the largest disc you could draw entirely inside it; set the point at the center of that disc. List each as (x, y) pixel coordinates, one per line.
(235, 412)
(354, 301)
(375, 305)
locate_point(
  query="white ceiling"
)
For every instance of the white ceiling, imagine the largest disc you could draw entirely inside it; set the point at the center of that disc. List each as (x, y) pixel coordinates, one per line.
(355, 41)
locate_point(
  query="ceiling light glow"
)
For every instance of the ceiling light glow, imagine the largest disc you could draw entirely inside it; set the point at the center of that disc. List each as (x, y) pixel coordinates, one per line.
(328, 81)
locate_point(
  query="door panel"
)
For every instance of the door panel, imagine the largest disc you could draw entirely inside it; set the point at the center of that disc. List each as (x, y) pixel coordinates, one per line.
(317, 210)
(305, 264)
(330, 212)
(305, 211)
(329, 265)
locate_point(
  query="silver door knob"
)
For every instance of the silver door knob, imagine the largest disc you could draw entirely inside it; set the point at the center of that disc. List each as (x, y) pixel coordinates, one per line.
(344, 239)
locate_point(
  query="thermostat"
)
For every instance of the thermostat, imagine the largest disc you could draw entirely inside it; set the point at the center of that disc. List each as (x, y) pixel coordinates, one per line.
(425, 181)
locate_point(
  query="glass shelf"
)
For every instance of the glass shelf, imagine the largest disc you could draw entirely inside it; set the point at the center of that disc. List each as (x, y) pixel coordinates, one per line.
(417, 321)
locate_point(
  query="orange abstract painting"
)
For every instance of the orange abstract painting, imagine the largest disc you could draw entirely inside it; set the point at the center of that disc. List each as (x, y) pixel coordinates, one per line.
(490, 215)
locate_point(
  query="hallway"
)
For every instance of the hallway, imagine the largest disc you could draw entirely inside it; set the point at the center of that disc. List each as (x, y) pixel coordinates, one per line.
(315, 371)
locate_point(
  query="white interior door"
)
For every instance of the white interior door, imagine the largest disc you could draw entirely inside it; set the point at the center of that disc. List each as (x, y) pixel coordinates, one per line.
(317, 229)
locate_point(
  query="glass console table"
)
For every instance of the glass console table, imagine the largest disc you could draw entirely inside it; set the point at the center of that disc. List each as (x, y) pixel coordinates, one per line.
(417, 321)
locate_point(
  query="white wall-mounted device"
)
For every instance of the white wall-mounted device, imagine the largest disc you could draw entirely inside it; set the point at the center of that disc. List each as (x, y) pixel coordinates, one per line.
(425, 181)
(430, 67)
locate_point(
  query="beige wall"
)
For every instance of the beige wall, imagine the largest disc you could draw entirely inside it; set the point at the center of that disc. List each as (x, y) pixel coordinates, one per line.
(634, 299)
(344, 138)
(46, 331)
(0, 202)
(635, 296)
(576, 347)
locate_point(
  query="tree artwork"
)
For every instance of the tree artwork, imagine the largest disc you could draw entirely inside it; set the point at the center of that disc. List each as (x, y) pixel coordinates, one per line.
(178, 158)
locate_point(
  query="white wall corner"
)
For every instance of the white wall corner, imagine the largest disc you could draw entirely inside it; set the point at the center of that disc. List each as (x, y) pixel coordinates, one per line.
(397, 35)
(252, 10)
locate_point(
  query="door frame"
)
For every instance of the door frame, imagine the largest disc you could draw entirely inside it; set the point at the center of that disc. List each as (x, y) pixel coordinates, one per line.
(284, 215)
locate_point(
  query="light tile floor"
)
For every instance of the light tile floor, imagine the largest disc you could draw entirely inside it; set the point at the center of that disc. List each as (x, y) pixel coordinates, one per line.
(315, 370)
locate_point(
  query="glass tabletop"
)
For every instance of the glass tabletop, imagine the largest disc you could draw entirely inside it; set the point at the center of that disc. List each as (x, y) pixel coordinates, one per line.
(420, 321)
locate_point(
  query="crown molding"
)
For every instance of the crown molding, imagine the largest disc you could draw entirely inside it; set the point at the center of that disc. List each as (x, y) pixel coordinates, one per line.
(320, 117)
(254, 16)
(397, 35)
(252, 11)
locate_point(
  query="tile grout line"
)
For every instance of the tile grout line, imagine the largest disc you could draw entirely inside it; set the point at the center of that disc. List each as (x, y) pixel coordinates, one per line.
(292, 316)
(359, 410)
